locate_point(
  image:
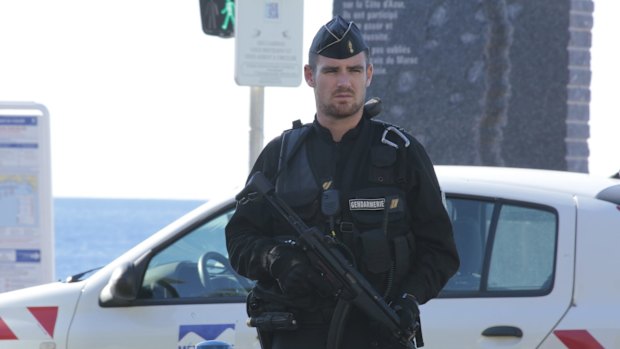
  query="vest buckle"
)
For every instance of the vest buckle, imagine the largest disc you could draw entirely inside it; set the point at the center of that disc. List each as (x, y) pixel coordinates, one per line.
(387, 130)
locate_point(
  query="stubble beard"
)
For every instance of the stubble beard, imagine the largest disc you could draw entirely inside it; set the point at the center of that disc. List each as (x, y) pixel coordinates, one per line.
(342, 111)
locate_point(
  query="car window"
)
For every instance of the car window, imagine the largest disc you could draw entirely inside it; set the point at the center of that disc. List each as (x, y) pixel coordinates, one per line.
(506, 248)
(195, 266)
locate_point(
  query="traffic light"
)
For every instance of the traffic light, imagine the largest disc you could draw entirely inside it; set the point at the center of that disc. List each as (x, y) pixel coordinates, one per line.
(218, 17)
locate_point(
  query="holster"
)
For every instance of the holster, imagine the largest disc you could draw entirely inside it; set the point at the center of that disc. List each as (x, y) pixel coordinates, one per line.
(267, 315)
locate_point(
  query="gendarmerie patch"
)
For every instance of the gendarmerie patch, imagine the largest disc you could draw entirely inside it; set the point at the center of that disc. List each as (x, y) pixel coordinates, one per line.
(366, 204)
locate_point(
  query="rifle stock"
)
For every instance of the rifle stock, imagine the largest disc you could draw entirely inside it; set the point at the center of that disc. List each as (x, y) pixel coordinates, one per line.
(347, 283)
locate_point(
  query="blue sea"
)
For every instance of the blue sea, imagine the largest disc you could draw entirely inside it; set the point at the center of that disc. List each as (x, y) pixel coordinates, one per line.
(89, 233)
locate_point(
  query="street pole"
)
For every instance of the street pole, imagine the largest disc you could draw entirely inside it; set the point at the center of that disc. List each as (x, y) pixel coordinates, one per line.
(257, 106)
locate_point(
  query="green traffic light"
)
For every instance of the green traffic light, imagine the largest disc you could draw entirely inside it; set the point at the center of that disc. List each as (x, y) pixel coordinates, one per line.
(229, 12)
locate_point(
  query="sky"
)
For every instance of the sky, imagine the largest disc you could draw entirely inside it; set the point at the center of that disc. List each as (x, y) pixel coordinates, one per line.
(143, 104)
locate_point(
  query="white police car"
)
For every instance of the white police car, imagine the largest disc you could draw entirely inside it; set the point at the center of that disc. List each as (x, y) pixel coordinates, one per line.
(539, 270)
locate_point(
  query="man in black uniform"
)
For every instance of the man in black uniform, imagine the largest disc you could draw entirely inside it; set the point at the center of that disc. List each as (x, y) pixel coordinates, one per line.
(341, 173)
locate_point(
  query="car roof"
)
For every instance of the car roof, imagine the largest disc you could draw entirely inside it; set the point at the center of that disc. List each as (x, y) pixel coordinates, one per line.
(581, 184)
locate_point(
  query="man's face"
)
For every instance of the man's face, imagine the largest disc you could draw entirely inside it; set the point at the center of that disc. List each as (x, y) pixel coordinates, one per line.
(339, 84)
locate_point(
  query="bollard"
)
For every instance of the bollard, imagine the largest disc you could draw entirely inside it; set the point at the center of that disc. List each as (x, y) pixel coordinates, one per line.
(213, 345)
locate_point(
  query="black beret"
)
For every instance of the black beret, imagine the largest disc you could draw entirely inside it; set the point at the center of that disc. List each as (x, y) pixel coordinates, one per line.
(338, 39)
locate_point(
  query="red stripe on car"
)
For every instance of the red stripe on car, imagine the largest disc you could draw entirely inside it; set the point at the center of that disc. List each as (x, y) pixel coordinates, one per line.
(46, 316)
(578, 339)
(5, 331)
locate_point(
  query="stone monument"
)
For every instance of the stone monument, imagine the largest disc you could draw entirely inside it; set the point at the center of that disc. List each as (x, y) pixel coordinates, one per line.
(484, 82)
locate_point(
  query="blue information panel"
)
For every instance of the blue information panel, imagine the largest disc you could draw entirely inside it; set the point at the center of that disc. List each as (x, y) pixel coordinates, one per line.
(26, 230)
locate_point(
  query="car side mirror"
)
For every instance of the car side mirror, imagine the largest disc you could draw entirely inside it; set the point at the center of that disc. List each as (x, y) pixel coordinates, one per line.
(122, 288)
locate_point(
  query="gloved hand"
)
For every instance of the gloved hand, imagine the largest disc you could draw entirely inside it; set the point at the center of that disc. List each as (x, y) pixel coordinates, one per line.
(406, 306)
(291, 268)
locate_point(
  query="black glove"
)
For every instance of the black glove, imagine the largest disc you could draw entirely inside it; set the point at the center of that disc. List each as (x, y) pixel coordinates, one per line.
(291, 268)
(406, 306)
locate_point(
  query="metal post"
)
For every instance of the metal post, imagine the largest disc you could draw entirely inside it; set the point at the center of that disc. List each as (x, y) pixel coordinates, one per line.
(257, 106)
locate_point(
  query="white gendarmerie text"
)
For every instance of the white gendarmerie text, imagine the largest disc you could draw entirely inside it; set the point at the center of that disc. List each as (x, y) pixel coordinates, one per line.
(366, 204)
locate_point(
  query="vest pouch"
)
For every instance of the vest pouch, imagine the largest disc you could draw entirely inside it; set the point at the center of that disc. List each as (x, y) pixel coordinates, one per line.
(375, 251)
(299, 198)
(367, 208)
(402, 256)
(308, 213)
(382, 162)
(296, 184)
(306, 204)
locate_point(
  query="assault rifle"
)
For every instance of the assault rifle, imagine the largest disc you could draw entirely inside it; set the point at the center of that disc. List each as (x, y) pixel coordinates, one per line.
(347, 283)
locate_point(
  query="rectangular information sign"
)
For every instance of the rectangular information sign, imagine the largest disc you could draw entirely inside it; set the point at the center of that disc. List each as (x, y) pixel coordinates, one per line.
(26, 229)
(269, 42)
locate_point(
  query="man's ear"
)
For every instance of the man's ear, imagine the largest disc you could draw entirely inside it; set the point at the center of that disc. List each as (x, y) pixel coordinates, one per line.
(309, 75)
(369, 71)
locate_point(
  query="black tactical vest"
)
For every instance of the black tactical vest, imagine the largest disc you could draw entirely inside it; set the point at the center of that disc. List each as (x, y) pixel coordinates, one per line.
(373, 220)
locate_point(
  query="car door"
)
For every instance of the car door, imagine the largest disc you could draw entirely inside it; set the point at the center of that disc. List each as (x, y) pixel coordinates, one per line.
(515, 279)
(188, 294)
